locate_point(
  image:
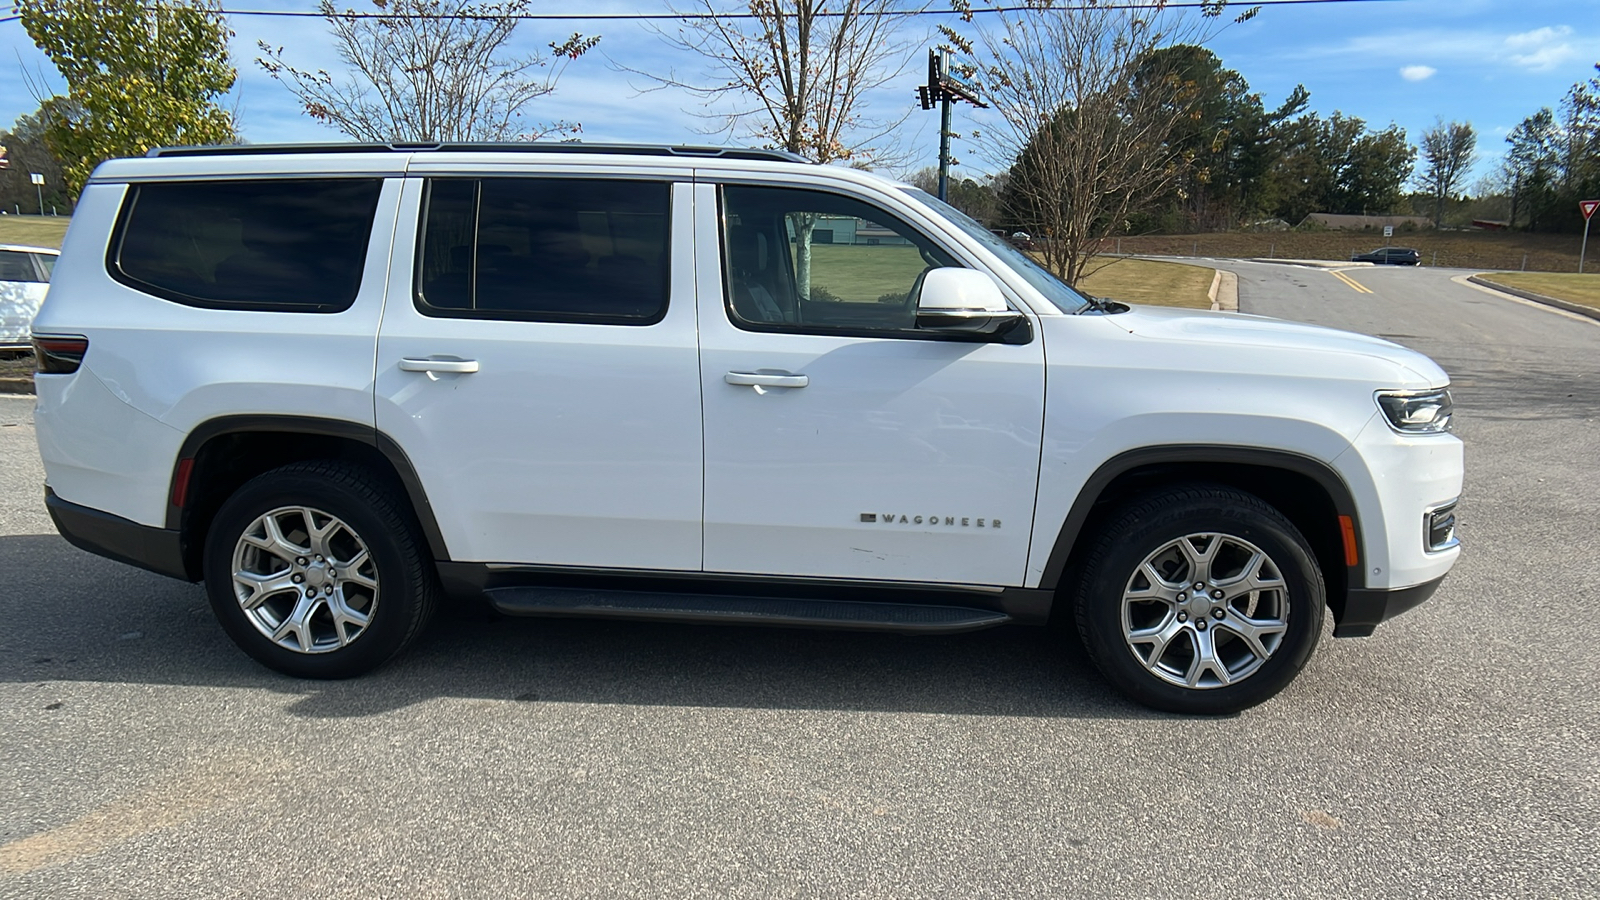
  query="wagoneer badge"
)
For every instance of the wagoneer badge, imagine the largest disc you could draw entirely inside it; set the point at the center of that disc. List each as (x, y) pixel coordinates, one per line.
(952, 521)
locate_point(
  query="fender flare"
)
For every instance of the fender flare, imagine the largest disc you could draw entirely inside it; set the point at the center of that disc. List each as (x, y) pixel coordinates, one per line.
(1318, 471)
(312, 425)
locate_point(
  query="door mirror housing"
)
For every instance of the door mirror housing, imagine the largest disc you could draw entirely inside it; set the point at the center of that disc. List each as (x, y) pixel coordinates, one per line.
(965, 301)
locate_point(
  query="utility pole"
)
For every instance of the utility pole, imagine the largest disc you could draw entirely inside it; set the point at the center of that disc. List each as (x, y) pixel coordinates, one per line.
(943, 88)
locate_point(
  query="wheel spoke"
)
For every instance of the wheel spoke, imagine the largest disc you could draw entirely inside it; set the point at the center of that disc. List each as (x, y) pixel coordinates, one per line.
(1254, 632)
(1250, 577)
(1200, 560)
(263, 586)
(351, 571)
(319, 536)
(1159, 638)
(299, 623)
(1159, 586)
(1205, 660)
(272, 539)
(344, 616)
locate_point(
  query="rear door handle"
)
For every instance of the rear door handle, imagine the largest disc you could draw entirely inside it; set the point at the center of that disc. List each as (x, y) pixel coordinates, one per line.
(767, 378)
(436, 367)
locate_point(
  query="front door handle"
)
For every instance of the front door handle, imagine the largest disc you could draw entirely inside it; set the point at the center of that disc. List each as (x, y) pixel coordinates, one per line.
(436, 367)
(767, 378)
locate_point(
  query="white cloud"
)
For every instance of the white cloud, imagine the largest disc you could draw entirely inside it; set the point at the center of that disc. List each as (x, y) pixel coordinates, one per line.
(1541, 49)
(1417, 73)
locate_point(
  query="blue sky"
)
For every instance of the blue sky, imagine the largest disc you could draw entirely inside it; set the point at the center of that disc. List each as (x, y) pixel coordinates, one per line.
(1490, 62)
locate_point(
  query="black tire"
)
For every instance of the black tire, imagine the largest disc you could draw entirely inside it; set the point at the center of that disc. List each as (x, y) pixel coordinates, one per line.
(375, 519)
(1113, 573)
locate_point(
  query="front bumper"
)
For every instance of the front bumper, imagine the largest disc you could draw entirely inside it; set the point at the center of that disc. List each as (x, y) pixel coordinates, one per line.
(156, 549)
(1364, 608)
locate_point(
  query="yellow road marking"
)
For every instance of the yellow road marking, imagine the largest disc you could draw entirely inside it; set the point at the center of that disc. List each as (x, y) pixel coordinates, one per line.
(185, 795)
(1359, 288)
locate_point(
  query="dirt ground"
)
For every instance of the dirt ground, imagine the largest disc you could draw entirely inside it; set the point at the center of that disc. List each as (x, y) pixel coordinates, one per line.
(16, 373)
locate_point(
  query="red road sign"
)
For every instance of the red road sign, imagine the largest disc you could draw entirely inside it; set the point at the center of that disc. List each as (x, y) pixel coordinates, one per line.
(1588, 207)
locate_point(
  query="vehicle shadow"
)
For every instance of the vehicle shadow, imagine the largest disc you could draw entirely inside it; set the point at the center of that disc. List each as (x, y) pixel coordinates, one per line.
(71, 616)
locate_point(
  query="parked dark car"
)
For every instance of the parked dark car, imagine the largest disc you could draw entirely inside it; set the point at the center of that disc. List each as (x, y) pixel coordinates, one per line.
(1390, 256)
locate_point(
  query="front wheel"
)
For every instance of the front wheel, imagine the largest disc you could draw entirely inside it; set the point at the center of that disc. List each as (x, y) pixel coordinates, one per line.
(1200, 600)
(316, 570)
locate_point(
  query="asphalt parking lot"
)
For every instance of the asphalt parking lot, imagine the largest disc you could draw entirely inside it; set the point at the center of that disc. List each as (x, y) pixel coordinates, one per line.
(1453, 754)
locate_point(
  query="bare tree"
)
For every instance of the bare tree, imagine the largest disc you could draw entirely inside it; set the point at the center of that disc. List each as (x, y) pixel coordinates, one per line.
(1448, 151)
(793, 75)
(1084, 111)
(429, 70)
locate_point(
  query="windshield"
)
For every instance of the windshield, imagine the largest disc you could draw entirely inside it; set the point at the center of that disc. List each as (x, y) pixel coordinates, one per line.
(1054, 289)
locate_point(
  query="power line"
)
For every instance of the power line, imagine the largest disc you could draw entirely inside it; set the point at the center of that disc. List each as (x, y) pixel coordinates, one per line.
(669, 16)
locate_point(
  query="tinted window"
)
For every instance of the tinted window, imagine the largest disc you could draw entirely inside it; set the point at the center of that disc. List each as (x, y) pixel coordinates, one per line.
(800, 260)
(47, 263)
(545, 249)
(287, 244)
(17, 266)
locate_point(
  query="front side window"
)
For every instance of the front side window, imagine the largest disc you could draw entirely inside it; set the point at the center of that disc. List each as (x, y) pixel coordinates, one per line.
(1060, 295)
(807, 261)
(282, 244)
(545, 249)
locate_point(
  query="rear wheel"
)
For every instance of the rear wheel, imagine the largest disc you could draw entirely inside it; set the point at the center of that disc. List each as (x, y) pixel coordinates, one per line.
(1200, 600)
(316, 570)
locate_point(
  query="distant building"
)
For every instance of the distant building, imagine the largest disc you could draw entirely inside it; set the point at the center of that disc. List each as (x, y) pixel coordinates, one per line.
(850, 230)
(1357, 223)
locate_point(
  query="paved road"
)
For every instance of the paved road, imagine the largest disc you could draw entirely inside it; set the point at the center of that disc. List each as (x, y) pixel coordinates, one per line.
(1451, 755)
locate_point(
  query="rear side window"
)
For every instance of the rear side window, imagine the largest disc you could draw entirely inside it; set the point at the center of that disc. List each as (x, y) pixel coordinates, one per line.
(293, 245)
(545, 249)
(18, 266)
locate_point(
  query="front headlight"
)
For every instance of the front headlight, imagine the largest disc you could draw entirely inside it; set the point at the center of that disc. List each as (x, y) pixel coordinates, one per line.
(1417, 412)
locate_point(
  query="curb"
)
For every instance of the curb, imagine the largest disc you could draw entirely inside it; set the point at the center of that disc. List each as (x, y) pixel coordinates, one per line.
(20, 384)
(1558, 303)
(1224, 291)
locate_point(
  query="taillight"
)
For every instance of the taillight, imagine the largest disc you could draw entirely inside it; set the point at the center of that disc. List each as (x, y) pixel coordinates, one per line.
(56, 355)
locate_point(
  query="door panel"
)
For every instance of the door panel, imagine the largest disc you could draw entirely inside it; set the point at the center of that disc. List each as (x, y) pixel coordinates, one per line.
(900, 458)
(545, 429)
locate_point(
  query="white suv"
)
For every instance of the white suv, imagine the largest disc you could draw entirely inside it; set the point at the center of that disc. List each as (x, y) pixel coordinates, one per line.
(337, 383)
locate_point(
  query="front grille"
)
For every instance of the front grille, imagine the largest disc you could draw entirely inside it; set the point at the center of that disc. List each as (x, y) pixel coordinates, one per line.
(1440, 526)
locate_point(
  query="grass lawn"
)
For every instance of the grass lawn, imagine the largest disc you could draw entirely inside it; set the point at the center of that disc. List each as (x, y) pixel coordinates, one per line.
(35, 231)
(862, 274)
(1583, 289)
(1147, 281)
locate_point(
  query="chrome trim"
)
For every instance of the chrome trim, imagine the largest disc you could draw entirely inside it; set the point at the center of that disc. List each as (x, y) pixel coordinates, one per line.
(1427, 527)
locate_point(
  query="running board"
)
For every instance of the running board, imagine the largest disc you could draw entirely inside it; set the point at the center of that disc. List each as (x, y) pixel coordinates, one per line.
(850, 615)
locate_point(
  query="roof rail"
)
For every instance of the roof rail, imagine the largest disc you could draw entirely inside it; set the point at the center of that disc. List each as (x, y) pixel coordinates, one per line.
(748, 153)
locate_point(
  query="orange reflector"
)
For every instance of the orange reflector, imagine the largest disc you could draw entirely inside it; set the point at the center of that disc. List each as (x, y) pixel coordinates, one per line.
(180, 483)
(1347, 526)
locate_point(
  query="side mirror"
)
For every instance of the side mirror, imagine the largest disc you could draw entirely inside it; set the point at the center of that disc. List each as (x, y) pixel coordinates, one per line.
(964, 301)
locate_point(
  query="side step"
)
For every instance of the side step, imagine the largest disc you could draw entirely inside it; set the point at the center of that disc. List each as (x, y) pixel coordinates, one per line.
(842, 614)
